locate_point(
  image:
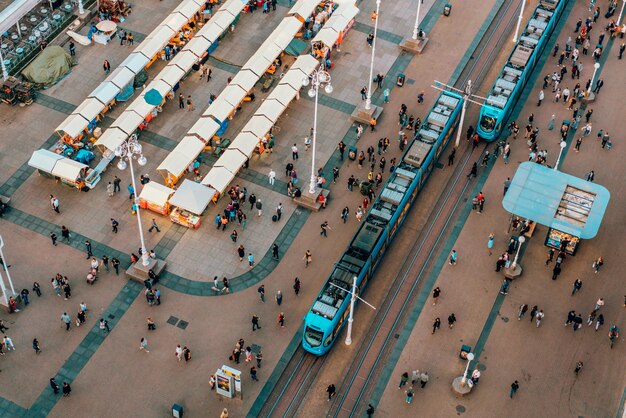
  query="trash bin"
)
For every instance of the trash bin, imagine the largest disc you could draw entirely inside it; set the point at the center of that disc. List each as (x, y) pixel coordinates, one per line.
(364, 187)
(446, 9)
(400, 79)
(177, 411)
(352, 153)
(464, 350)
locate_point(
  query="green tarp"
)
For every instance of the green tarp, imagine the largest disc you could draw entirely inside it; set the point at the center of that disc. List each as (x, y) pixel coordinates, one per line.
(296, 47)
(51, 65)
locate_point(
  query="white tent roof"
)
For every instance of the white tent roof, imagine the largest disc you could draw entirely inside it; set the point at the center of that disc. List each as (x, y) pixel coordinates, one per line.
(270, 50)
(294, 77)
(258, 64)
(128, 121)
(304, 8)
(171, 74)
(159, 85)
(105, 92)
(187, 9)
(284, 93)
(184, 60)
(140, 106)
(192, 196)
(290, 25)
(211, 31)
(306, 63)
(222, 19)
(271, 108)
(232, 159)
(245, 142)
(218, 178)
(348, 11)
(245, 79)
(156, 193)
(73, 125)
(112, 138)
(282, 39)
(135, 62)
(179, 159)
(150, 47)
(121, 77)
(258, 125)
(44, 160)
(68, 169)
(175, 21)
(234, 6)
(328, 36)
(233, 95)
(89, 108)
(204, 128)
(198, 45)
(220, 109)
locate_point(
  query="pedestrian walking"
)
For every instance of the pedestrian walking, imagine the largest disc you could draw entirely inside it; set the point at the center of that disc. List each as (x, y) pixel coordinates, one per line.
(261, 291)
(54, 203)
(143, 345)
(66, 320)
(331, 391)
(490, 242)
(325, 228)
(190, 107)
(116, 265)
(541, 97)
(154, 226)
(578, 284)
(294, 152)
(281, 320)
(578, 368)
(255, 323)
(275, 251)
(106, 66)
(308, 258)
(409, 395)
(514, 388)
(114, 225)
(436, 294)
(599, 304)
(522, 311)
(370, 410)
(423, 379)
(451, 157)
(344, 214)
(36, 346)
(54, 386)
(36, 289)
(278, 297)
(179, 352)
(597, 264)
(253, 374)
(259, 207)
(540, 315)
(271, 177)
(436, 325)
(259, 358)
(404, 378)
(556, 271)
(451, 320)
(53, 238)
(599, 321)
(453, 258)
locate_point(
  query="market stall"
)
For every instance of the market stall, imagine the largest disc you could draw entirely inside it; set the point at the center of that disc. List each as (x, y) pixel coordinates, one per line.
(189, 202)
(135, 62)
(245, 79)
(177, 161)
(105, 93)
(205, 129)
(44, 161)
(155, 196)
(71, 173)
(110, 140)
(246, 143)
(218, 178)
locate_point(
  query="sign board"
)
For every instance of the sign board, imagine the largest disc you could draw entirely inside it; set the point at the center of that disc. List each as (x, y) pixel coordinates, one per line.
(235, 374)
(224, 384)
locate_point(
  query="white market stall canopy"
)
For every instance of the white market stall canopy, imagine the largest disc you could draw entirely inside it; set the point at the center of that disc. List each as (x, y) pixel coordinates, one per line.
(187, 9)
(284, 94)
(156, 193)
(135, 62)
(234, 7)
(233, 95)
(245, 143)
(218, 178)
(271, 109)
(175, 21)
(258, 125)
(184, 154)
(269, 50)
(73, 125)
(68, 169)
(231, 159)
(245, 79)
(222, 19)
(121, 77)
(290, 25)
(89, 108)
(140, 106)
(204, 128)
(44, 160)
(112, 138)
(150, 47)
(159, 85)
(304, 8)
(294, 77)
(327, 35)
(105, 92)
(198, 44)
(128, 122)
(258, 64)
(220, 109)
(171, 75)
(192, 197)
(305, 63)
(184, 60)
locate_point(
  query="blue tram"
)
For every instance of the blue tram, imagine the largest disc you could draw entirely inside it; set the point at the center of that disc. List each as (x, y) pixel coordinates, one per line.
(329, 312)
(518, 68)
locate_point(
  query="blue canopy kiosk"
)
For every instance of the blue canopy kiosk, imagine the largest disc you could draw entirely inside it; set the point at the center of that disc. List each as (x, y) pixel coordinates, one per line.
(571, 207)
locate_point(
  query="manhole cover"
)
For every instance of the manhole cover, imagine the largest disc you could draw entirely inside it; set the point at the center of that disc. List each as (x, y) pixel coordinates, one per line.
(182, 324)
(111, 316)
(255, 348)
(481, 367)
(460, 409)
(410, 81)
(505, 318)
(172, 320)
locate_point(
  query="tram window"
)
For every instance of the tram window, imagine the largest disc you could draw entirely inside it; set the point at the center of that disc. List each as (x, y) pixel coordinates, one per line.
(313, 337)
(499, 126)
(487, 123)
(328, 340)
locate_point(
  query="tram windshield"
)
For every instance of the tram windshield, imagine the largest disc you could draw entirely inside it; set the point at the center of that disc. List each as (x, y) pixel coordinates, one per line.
(487, 123)
(313, 337)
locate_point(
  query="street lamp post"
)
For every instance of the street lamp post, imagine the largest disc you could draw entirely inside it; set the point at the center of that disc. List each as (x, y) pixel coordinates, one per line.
(520, 240)
(468, 93)
(470, 358)
(353, 292)
(596, 67)
(129, 150)
(417, 20)
(519, 20)
(368, 101)
(5, 267)
(563, 144)
(621, 13)
(81, 9)
(319, 78)
(5, 73)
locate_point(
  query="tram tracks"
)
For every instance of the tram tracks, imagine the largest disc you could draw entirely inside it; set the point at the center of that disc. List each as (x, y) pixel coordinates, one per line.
(367, 365)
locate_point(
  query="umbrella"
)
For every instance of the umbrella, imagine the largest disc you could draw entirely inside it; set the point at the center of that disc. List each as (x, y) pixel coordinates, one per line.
(153, 97)
(106, 26)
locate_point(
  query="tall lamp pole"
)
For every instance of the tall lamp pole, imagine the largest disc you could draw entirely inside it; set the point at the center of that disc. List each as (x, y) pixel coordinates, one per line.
(129, 150)
(519, 20)
(563, 144)
(368, 101)
(352, 302)
(5, 73)
(5, 267)
(470, 358)
(520, 240)
(596, 67)
(319, 78)
(621, 13)
(417, 20)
